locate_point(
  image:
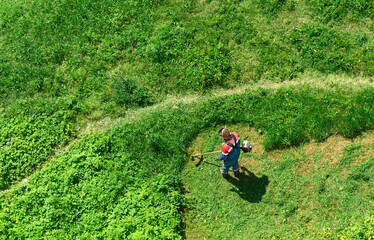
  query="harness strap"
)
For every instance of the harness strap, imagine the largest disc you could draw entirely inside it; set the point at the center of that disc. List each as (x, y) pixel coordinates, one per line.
(230, 144)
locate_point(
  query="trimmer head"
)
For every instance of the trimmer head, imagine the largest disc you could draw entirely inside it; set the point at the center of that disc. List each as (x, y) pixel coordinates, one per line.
(197, 160)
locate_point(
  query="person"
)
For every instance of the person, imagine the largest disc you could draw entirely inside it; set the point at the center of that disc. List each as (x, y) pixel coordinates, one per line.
(230, 152)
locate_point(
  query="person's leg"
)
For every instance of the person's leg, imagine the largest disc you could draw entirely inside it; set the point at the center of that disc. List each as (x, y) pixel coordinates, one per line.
(225, 170)
(235, 168)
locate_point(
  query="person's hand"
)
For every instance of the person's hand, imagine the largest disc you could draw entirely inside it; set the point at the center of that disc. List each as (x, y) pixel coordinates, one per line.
(216, 158)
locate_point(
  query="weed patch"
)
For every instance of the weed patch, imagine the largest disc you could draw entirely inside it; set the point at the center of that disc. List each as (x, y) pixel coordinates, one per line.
(30, 132)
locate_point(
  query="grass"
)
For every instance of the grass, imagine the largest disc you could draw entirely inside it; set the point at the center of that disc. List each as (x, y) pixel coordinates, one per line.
(299, 71)
(139, 185)
(303, 192)
(119, 52)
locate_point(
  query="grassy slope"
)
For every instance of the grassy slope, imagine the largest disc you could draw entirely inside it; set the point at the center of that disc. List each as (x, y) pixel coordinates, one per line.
(139, 193)
(115, 53)
(118, 53)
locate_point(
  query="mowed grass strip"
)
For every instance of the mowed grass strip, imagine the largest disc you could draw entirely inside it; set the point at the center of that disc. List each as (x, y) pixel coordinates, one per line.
(312, 191)
(105, 186)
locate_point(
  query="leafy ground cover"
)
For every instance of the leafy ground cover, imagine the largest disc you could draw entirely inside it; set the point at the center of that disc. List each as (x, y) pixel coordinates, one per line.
(30, 132)
(125, 182)
(320, 190)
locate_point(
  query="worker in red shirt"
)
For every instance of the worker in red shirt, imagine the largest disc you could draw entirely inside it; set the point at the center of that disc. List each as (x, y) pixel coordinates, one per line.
(230, 152)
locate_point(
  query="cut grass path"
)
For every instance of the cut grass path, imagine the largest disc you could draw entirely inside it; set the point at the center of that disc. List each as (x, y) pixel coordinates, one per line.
(301, 190)
(331, 81)
(314, 79)
(309, 192)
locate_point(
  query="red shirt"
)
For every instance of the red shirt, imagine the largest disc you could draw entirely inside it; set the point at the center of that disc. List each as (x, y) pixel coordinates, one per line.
(225, 148)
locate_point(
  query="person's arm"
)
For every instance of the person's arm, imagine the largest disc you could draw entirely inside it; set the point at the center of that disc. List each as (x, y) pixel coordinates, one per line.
(225, 149)
(222, 156)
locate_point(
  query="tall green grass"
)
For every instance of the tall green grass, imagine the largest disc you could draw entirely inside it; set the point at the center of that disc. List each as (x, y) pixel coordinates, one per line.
(62, 47)
(332, 10)
(57, 46)
(124, 182)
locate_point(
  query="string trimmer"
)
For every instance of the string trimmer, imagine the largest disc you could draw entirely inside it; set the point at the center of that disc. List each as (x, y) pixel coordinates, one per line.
(246, 147)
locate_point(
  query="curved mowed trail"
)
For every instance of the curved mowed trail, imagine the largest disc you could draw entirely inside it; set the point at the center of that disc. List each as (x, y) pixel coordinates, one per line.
(310, 191)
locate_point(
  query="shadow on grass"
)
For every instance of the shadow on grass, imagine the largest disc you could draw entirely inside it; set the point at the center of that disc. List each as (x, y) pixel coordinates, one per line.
(249, 186)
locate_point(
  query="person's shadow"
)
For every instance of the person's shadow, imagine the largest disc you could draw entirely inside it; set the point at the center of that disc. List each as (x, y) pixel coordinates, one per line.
(249, 186)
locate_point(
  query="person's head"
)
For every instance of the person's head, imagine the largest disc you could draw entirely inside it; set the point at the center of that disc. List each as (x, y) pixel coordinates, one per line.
(224, 132)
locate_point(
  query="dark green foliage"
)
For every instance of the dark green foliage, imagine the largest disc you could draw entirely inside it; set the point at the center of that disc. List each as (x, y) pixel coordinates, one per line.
(353, 120)
(330, 10)
(358, 175)
(324, 48)
(167, 42)
(127, 92)
(196, 68)
(187, 57)
(207, 66)
(230, 21)
(290, 117)
(272, 7)
(276, 61)
(285, 54)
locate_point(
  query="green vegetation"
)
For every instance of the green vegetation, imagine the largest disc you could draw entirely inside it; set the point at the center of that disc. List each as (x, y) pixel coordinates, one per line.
(134, 167)
(30, 131)
(332, 10)
(65, 64)
(305, 192)
(62, 47)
